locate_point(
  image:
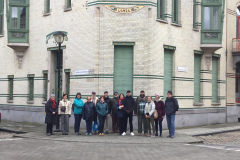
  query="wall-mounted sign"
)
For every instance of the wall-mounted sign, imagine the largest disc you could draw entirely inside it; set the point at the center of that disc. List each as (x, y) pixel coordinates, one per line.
(81, 72)
(123, 10)
(182, 69)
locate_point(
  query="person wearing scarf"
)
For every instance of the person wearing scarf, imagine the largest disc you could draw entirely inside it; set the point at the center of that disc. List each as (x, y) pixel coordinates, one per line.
(51, 115)
(120, 114)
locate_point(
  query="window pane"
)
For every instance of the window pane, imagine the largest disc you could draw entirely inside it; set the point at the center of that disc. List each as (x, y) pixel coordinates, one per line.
(14, 17)
(215, 17)
(23, 17)
(69, 4)
(175, 10)
(206, 17)
(1, 24)
(161, 9)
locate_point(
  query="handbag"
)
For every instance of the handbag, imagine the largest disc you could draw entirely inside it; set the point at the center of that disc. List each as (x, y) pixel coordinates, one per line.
(63, 109)
(155, 114)
(95, 126)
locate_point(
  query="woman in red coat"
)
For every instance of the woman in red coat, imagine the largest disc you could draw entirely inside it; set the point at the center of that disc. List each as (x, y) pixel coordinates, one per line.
(159, 106)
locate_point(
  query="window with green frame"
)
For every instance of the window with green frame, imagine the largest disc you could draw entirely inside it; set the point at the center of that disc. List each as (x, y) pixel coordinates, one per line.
(175, 11)
(215, 72)
(1, 16)
(47, 6)
(31, 86)
(194, 13)
(160, 9)
(197, 76)
(212, 21)
(18, 25)
(10, 85)
(68, 4)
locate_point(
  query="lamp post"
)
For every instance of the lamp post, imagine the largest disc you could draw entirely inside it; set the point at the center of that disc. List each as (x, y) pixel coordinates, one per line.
(59, 37)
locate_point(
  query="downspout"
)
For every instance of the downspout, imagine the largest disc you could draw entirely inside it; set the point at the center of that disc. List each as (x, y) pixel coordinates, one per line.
(226, 57)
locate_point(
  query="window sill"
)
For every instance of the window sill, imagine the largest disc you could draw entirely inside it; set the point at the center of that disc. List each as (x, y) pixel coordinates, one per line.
(216, 104)
(196, 29)
(162, 21)
(46, 14)
(198, 104)
(30, 102)
(9, 101)
(67, 9)
(177, 25)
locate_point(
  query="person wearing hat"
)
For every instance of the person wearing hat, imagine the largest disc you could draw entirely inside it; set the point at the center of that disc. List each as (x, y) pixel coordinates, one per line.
(128, 107)
(115, 123)
(159, 106)
(51, 111)
(109, 103)
(78, 106)
(171, 106)
(139, 109)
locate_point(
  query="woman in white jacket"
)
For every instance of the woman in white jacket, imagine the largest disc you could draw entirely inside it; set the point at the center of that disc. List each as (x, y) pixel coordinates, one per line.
(64, 111)
(149, 109)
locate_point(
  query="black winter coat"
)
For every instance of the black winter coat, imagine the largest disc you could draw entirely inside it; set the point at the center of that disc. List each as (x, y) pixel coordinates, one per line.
(50, 118)
(109, 103)
(88, 111)
(171, 106)
(129, 104)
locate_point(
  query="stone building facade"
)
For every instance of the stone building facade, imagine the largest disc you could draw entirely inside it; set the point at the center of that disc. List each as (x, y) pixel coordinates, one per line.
(151, 45)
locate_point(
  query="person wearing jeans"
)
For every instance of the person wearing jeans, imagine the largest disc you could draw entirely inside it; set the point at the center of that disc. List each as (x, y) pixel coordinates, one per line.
(171, 106)
(159, 106)
(78, 105)
(102, 111)
(88, 115)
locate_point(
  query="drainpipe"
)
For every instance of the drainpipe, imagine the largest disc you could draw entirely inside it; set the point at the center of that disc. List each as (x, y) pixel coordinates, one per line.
(226, 63)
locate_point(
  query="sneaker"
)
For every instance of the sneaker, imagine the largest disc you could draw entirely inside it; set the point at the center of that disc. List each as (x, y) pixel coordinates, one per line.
(124, 134)
(152, 135)
(77, 133)
(107, 132)
(132, 134)
(48, 134)
(86, 134)
(172, 137)
(102, 134)
(90, 134)
(139, 134)
(168, 136)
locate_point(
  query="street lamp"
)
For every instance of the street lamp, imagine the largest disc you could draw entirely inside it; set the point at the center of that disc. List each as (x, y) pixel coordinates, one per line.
(59, 37)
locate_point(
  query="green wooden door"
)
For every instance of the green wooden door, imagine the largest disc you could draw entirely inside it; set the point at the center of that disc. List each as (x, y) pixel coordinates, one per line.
(168, 65)
(123, 69)
(197, 77)
(215, 79)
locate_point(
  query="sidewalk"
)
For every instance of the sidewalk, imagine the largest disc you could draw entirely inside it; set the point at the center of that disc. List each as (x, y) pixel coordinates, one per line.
(183, 135)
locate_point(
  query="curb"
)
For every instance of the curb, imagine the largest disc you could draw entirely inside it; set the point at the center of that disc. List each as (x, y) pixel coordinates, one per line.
(217, 132)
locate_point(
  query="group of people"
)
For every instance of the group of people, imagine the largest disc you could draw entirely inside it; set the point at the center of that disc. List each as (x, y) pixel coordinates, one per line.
(150, 113)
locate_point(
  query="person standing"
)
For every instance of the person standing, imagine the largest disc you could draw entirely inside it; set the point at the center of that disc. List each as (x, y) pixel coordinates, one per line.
(109, 103)
(64, 110)
(140, 110)
(115, 123)
(128, 108)
(149, 109)
(78, 106)
(171, 106)
(102, 111)
(159, 106)
(120, 114)
(88, 115)
(51, 115)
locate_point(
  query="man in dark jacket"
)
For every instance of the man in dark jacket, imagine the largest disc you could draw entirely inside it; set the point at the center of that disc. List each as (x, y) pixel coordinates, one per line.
(51, 110)
(139, 109)
(128, 108)
(171, 106)
(115, 127)
(109, 103)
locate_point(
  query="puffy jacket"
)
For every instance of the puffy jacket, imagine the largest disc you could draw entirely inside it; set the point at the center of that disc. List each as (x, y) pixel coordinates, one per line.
(68, 106)
(88, 111)
(171, 106)
(102, 109)
(78, 106)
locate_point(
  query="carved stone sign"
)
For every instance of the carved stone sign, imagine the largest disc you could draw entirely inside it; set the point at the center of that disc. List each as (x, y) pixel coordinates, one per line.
(123, 10)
